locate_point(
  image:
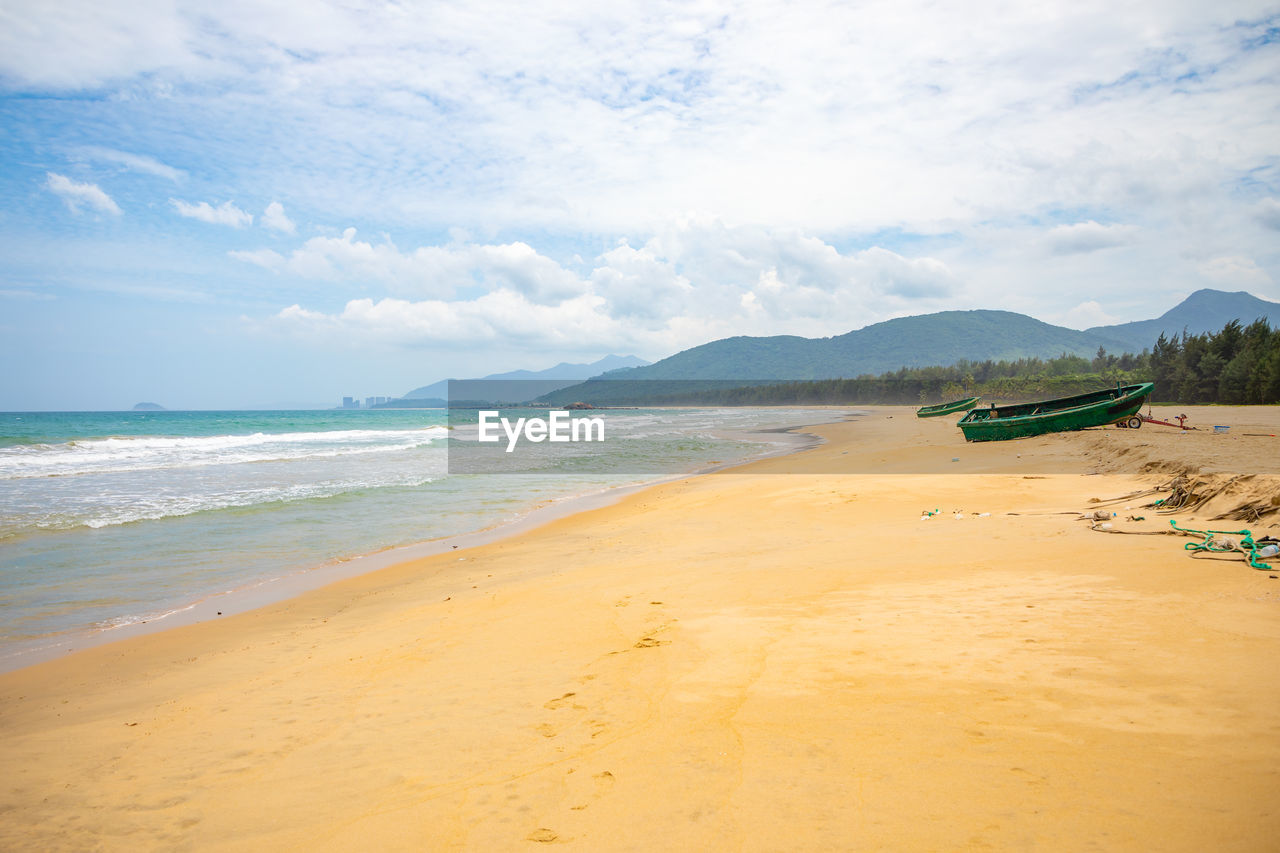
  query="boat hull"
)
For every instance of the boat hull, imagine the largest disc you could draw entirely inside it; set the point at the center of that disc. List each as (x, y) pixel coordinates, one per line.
(947, 408)
(1062, 415)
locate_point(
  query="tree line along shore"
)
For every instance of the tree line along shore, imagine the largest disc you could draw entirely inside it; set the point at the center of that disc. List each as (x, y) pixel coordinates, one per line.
(1237, 365)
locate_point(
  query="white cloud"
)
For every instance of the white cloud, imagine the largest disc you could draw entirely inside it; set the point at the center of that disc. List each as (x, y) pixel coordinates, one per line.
(775, 167)
(265, 258)
(500, 316)
(697, 280)
(641, 286)
(796, 279)
(133, 162)
(81, 43)
(821, 115)
(895, 275)
(1088, 236)
(274, 218)
(1086, 315)
(429, 270)
(76, 194)
(1235, 271)
(224, 214)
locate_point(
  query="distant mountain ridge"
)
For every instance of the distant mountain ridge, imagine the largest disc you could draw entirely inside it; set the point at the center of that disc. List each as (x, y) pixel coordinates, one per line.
(942, 339)
(570, 373)
(1203, 311)
(918, 341)
(566, 370)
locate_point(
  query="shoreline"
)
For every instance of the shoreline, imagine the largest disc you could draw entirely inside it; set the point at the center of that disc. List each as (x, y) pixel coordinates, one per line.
(273, 590)
(791, 657)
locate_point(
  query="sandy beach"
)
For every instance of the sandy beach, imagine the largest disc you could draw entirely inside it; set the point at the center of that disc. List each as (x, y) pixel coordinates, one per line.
(781, 657)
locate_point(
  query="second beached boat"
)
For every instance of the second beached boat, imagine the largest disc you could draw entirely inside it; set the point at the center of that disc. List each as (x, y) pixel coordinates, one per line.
(947, 408)
(1064, 414)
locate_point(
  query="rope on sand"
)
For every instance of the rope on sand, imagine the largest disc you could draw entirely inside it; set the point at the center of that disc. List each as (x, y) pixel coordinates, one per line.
(1211, 545)
(1215, 542)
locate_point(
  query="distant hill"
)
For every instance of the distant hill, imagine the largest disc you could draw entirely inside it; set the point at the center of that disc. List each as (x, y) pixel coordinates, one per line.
(148, 407)
(1202, 311)
(919, 341)
(926, 340)
(565, 370)
(565, 373)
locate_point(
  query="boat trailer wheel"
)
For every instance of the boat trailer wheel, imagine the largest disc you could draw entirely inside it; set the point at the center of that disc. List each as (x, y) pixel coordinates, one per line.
(1134, 422)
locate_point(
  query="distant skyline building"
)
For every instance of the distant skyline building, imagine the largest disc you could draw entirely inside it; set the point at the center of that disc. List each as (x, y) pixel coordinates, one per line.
(369, 402)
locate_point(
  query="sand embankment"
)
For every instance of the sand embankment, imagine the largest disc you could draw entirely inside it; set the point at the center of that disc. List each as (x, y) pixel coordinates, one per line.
(784, 657)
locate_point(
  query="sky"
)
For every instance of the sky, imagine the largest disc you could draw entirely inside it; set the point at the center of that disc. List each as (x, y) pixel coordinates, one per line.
(264, 203)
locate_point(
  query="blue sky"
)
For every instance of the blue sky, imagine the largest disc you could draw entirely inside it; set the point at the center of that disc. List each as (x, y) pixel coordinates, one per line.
(280, 203)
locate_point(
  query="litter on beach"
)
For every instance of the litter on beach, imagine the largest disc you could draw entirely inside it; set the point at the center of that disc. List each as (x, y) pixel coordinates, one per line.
(958, 514)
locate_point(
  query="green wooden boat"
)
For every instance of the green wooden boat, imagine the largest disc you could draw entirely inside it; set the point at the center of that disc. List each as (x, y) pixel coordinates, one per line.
(947, 408)
(1096, 408)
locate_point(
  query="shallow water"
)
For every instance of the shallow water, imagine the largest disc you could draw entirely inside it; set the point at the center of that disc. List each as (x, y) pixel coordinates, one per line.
(110, 519)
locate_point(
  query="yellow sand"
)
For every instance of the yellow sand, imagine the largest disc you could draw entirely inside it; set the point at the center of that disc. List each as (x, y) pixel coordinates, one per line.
(754, 661)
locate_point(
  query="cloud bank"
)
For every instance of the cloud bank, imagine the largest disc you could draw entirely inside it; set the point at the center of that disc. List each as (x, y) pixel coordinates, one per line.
(697, 279)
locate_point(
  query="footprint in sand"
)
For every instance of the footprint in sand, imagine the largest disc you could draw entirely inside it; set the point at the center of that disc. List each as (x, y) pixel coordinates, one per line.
(604, 782)
(543, 836)
(559, 703)
(643, 643)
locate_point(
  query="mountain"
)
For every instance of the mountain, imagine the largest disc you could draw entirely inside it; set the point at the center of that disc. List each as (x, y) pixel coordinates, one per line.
(565, 370)
(1202, 311)
(938, 339)
(148, 407)
(560, 376)
(919, 341)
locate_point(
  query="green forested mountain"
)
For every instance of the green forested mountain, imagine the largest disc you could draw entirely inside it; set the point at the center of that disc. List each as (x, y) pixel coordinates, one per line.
(956, 353)
(941, 339)
(1201, 312)
(1237, 364)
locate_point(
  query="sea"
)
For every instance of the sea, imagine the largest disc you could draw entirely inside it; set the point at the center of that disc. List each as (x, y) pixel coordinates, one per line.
(115, 520)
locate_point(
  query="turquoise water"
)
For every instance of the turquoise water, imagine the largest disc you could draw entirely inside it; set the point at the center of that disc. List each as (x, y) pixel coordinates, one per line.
(113, 518)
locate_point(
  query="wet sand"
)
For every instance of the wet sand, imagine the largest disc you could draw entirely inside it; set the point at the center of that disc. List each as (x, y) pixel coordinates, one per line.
(781, 657)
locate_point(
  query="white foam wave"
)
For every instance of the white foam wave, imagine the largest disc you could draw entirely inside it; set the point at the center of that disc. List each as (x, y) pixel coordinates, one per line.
(115, 455)
(130, 619)
(119, 510)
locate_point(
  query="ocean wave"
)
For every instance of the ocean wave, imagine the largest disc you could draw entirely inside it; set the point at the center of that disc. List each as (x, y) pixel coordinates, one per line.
(113, 512)
(122, 454)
